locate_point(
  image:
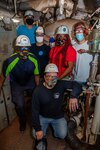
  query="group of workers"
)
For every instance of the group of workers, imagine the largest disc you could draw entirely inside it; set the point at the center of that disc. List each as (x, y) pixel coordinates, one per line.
(47, 72)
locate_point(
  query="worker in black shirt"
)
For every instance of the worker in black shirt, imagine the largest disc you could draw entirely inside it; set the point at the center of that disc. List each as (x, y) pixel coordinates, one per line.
(47, 104)
(23, 71)
(41, 50)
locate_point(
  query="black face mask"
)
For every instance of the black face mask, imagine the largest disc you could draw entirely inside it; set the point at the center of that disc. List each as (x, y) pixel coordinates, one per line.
(60, 41)
(29, 21)
(23, 55)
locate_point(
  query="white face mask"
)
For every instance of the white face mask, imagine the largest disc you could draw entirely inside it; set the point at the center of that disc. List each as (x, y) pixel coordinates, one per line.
(39, 39)
(53, 82)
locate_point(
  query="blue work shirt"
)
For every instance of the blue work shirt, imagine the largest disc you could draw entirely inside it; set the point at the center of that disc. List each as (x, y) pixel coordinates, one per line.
(24, 30)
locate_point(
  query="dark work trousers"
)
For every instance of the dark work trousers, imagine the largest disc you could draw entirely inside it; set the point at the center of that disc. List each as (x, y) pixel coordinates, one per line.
(18, 98)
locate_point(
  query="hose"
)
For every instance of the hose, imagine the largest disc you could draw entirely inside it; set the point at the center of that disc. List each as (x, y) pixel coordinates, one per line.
(75, 142)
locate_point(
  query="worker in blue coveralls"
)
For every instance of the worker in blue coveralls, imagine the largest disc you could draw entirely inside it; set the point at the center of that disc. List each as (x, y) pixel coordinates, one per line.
(23, 69)
(47, 105)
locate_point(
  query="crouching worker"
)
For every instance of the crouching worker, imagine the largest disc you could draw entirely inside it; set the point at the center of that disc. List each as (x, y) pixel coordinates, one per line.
(22, 68)
(47, 107)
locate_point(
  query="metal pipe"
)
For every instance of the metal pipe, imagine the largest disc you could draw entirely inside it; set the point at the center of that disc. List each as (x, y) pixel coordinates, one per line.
(88, 97)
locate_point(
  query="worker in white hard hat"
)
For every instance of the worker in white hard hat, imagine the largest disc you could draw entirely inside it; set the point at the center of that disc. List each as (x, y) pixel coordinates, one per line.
(28, 28)
(23, 71)
(47, 103)
(41, 50)
(63, 54)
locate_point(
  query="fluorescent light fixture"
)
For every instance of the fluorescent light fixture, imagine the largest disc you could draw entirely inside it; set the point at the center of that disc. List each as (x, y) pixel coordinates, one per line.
(15, 20)
(1, 17)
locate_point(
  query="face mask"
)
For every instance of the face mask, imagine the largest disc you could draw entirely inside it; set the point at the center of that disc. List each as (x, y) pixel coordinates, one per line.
(60, 41)
(80, 36)
(39, 39)
(29, 21)
(52, 82)
(23, 54)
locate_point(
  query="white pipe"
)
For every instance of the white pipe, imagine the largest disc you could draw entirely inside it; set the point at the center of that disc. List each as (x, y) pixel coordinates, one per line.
(61, 5)
(94, 68)
(96, 119)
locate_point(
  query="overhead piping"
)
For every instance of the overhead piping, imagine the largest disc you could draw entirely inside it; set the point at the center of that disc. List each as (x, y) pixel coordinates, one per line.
(5, 6)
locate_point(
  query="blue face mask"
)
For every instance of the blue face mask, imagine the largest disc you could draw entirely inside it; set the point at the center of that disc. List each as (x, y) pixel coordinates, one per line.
(80, 36)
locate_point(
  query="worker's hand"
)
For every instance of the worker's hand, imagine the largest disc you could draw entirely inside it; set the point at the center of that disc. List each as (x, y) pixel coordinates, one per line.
(39, 135)
(81, 51)
(73, 104)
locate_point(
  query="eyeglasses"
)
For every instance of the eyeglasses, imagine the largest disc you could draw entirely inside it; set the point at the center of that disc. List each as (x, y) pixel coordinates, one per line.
(79, 31)
(49, 76)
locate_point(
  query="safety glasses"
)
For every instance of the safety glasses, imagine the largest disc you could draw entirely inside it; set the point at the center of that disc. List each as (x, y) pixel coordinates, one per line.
(24, 48)
(79, 31)
(50, 77)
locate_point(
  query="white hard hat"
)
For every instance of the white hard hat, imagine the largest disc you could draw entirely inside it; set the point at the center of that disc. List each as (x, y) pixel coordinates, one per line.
(40, 29)
(28, 13)
(62, 30)
(51, 68)
(22, 40)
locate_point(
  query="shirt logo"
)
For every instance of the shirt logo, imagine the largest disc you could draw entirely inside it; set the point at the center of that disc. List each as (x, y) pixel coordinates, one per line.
(64, 29)
(40, 53)
(56, 95)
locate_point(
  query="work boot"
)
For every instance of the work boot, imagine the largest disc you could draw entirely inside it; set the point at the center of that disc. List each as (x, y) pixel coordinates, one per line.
(41, 144)
(22, 124)
(22, 127)
(22, 118)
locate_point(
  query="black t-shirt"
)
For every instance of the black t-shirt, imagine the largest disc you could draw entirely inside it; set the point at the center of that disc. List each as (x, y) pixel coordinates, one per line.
(48, 102)
(42, 54)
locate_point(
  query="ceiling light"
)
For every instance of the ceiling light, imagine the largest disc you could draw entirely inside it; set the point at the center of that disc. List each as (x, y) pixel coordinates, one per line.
(15, 20)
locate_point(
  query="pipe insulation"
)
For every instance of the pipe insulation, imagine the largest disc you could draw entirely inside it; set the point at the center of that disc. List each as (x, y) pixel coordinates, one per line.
(38, 5)
(4, 12)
